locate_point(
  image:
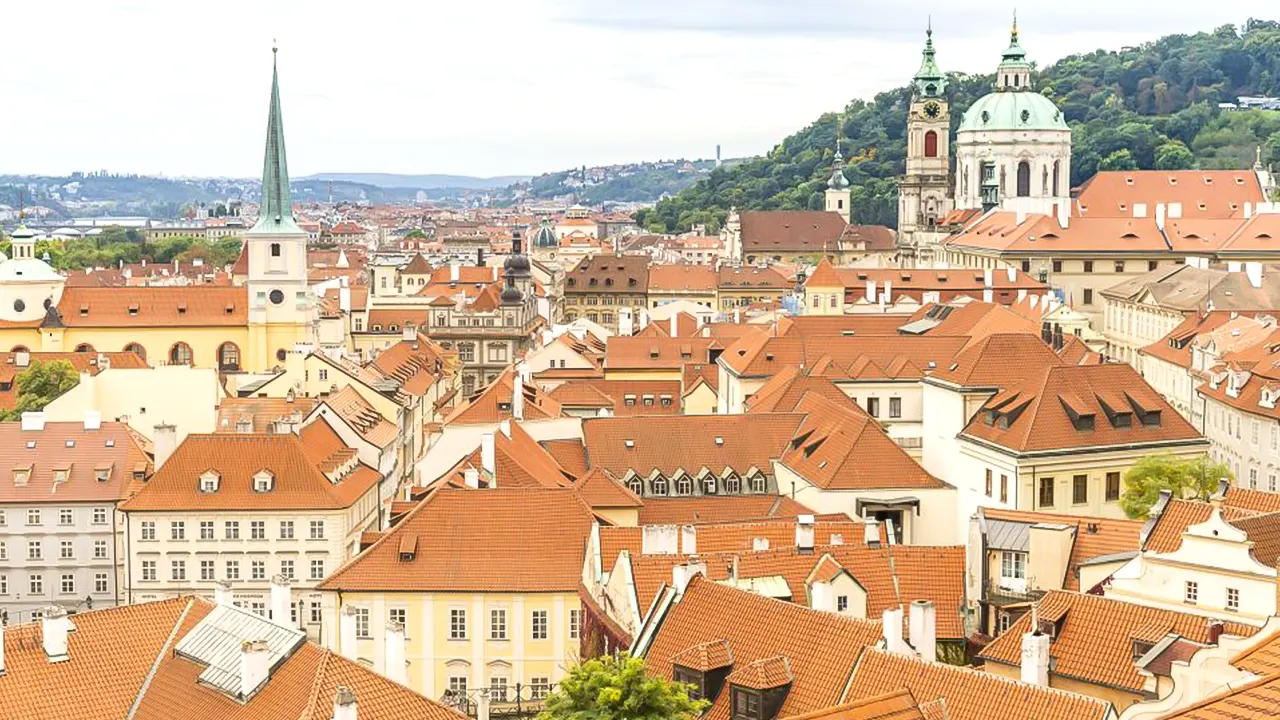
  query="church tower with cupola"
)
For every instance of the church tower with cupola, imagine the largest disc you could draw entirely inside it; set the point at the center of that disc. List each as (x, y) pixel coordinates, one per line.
(838, 196)
(282, 312)
(923, 197)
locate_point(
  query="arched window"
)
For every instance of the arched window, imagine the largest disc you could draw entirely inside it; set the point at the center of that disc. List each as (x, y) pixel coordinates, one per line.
(659, 485)
(84, 348)
(636, 486)
(1057, 175)
(275, 249)
(757, 483)
(931, 144)
(228, 357)
(684, 485)
(180, 354)
(1024, 179)
(136, 349)
(709, 485)
(733, 485)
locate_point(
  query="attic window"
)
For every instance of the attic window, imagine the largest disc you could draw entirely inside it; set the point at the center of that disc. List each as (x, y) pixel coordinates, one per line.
(1239, 181)
(1140, 648)
(84, 310)
(102, 474)
(1202, 206)
(264, 481)
(208, 481)
(182, 309)
(719, 440)
(629, 443)
(631, 282)
(21, 476)
(60, 475)
(1208, 180)
(133, 310)
(71, 442)
(1173, 181)
(408, 548)
(593, 282)
(1128, 181)
(1129, 236)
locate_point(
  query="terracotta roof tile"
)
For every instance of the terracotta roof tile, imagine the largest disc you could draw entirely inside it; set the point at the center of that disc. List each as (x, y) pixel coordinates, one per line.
(752, 278)
(260, 414)
(154, 306)
(681, 278)
(688, 442)
(569, 454)
(1094, 536)
(492, 403)
(69, 451)
(896, 705)
(1257, 699)
(598, 490)
(1000, 360)
(622, 274)
(349, 405)
(724, 508)
(782, 392)
(1115, 193)
(791, 231)
(705, 656)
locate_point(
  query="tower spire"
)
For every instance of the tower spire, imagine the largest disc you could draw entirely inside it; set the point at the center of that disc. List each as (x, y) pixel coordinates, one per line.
(929, 80)
(275, 213)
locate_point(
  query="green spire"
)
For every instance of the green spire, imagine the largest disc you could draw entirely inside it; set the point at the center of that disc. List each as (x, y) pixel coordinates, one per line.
(1014, 52)
(275, 214)
(929, 79)
(838, 181)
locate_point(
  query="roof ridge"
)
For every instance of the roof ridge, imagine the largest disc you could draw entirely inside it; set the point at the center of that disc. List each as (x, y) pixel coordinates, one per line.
(155, 664)
(314, 696)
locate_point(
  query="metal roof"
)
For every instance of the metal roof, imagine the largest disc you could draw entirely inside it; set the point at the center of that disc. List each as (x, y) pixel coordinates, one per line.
(215, 642)
(1006, 535)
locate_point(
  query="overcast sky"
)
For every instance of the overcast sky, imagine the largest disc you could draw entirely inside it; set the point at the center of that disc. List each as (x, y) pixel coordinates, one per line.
(489, 87)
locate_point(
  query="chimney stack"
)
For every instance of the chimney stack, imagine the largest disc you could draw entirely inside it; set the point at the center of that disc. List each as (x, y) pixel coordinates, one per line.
(409, 332)
(487, 457)
(471, 477)
(453, 272)
(924, 629)
(682, 574)
(281, 601)
(822, 597)
(804, 534)
(53, 628)
(2, 665)
(222, 592)
(871, 533)
(92, 420)
(347, 632)
(675, 324)
(344, 704)
(871, 291)
(1215, 631)
(517, 395)
(689, 540)
(892, 629)
(164, 441)
(1253, 271)
(396, 669)
(1012, 273)
(1035, 653)
(255, 656)
(33, 421)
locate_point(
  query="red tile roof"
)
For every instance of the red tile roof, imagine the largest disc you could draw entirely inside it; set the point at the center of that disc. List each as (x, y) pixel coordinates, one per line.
(67, 447)
(154, 306)
(791, 231)
(1094, 536)
(688, 442)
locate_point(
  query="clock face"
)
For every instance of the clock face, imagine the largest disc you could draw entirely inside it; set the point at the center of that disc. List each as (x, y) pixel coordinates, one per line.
(932, 110)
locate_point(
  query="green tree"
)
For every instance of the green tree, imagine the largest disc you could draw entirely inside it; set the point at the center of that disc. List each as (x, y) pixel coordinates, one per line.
(416, 234)
(1195, 478)
(1173, 155)
(609, 688)
(1119, 160)
(40, 384)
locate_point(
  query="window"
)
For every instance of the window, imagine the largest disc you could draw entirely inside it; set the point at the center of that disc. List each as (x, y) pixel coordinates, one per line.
(286, 568)
(399, 616)
(895, 407)
(65, 517)
(262, 482)
(180, 354)
(231, 529)
(275, 249)
(1013, 565)
(229, 357)
(659, 485)
(1253, 432)
(4, 584)
(209, 482)
(99, 516)
(1253, 478)
(1024, 179)
(1088, 266)
(233, 570)
(1191, 592)
(988, 484)
(258, 608)
(177, 530)
(684, 485)
(757, 484)
(66, 550)
(1004, 488)
(34, 550)
(148, 569)
(1088, 296)
(1113, 486)
(1057, 266)
(1002, 623)
(1119, 266)
(33, 517)
(1233, 599)
(317, 569)
(457, 624)
(842, 603)
(498, 689)
(178, 570)
(539, 687)
(733, 485)
(497, 624)
(206, 570)
(873, 407)
(206, 529)
(100, 584)
(1271, 482)
(258, 570)
(573, 623)
(99, 549)
(68, 584)
(362, 622)
(458, 684)
(316, 615)
(35, 584)
(466, 352)
(286, 529)
(1080, 489)
(539, 625)
(317, 529)
(257, 529)
(1046, 492)
(746, 704)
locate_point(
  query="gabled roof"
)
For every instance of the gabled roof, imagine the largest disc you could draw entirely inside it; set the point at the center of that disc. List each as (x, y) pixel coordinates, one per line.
(820, 648)
(751, 278)
(154, 306)
(519, 461)
(655, 353)
(966, 693)
(999, 361)
(840, 357)
(791, 231)
(299, 471)
(348, 404)
(492, 403)
(81, 453)
(681, 278)
(722, 508)
(509, 540)
(782, 392)
(1255, 699)
(260, 414)
(1261, 527)
(1095, 641)
(598, 490)
(688, 442)
(1199, 193)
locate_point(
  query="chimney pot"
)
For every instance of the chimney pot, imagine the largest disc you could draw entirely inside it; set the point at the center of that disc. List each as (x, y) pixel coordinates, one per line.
(1035, 656)
(54, 626)
(281, 601)
(923, 629)
(164, 441)
(347, 632)
(344, 704)
(254, 658)
(871, 532)
(891, 627)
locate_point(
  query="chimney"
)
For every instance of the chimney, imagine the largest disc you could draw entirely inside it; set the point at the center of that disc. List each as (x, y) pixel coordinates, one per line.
(22, 358)
(453, 272)
(659, 540)
(281, 601)
(53, 629)
(409, 332)
(871, 291)
(344, 299)
(1035, 653)
(344, 704)
(347, 632)
(487, 454)
(871, 533)
(888, 292)
(804, 534)
(892, 629)
(1253, 271)
(396, 669)
(1064, 214)
(988, 281)
(472, 478)
(822, 597)
(1215, 632)
(164, 442)
(682, 574)
(1012, 273)
(92, 420)
(675, 324)
(254, 658)
(33, 421)
(222, 592)
(988, 294)
(517, 396)
(1160, 214)
(924, 629)
(689, 540)
(504, 427)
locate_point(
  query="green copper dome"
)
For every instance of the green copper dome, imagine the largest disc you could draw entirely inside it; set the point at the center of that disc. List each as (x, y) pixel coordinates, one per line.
(929, 80)
(1013, 111)
(838, 181)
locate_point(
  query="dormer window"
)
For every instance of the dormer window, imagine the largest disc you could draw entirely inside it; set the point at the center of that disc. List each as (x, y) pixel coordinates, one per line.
(60, 475)
(102, 474)
(209, 482)
(1140, 648)
(264, 481)
(21, 476)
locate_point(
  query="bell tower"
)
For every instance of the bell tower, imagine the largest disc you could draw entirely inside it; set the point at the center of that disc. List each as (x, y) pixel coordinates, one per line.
(281, 309)
(923, 195)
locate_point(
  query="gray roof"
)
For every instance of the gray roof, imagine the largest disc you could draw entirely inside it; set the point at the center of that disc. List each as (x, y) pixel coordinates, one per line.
(1006, 535)
(215, 642)
(1185, 288)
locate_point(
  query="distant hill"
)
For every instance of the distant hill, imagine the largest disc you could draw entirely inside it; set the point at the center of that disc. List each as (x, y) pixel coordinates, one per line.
(420, 182)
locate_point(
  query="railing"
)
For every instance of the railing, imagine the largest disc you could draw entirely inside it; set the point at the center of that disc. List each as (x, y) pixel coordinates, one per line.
(491, 703)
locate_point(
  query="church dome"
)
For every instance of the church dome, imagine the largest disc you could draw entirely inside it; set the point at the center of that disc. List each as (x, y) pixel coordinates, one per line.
(516, 265)
(545, 237)
(1007, 110)
(511, 296)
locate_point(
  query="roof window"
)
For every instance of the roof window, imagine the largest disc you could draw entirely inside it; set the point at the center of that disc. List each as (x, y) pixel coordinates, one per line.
(209, 481)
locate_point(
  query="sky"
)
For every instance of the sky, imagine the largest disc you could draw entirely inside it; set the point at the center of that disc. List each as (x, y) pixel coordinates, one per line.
(490, 87)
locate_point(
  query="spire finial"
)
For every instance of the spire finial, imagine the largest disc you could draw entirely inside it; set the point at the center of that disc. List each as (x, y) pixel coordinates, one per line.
(929, 29)
(1014, 34)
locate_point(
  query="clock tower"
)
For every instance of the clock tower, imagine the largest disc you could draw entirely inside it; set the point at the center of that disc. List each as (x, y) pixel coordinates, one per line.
(923, 196)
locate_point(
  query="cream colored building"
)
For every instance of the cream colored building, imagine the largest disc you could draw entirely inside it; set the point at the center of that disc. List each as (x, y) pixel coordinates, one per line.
(180, 396)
